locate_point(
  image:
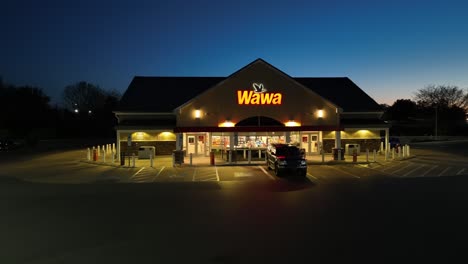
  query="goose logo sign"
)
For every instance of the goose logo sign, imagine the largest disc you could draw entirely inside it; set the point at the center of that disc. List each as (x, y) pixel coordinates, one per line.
(258, 96)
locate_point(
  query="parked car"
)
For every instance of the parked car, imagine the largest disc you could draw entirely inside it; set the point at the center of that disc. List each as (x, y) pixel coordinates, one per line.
(284, 157)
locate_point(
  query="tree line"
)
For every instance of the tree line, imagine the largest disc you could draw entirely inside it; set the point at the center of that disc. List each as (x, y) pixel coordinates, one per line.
(86, 111)
(434, 110)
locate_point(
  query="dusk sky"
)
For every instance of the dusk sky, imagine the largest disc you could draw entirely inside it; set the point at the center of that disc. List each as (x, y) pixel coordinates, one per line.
(388, 48)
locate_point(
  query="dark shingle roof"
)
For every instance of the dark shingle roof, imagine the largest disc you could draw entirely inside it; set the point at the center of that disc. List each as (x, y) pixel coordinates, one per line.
(165, 94)
(342, 92)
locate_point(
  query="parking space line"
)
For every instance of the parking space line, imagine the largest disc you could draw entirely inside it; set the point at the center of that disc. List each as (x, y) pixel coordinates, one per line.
(194, 173)
(389, 167)
(268, 174)
(435, 166)
(311, 176)
(402, 168)
(446, 169)
(217, 174)
(136, 173)
(340, 170)
(413, 170)
(157, 175)
(460, 172)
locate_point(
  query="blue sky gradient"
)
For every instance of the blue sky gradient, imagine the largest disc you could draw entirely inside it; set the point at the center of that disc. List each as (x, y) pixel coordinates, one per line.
(388, 48)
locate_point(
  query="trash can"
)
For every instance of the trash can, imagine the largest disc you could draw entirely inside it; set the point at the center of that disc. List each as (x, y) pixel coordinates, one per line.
(351, 148)
(233, 154)
(122, 158)
(335, 153)
(178, 156)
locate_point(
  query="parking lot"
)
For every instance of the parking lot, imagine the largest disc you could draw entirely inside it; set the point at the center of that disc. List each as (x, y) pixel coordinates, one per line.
(73, 167)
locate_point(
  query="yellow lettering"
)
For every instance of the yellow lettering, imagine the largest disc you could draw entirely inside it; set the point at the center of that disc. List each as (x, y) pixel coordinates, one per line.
(255, 99)
(266, 98)
(249, 97)
(243, 97)
(277, 98)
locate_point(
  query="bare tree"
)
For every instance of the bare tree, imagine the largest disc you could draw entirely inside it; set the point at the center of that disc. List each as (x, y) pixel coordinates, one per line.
(83, 96)
(442, 96)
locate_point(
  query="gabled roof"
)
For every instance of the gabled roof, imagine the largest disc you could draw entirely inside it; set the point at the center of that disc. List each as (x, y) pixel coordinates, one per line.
(342, 92)
(165, 94)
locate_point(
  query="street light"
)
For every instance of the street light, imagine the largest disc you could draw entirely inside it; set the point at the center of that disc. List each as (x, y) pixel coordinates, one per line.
(436, 122)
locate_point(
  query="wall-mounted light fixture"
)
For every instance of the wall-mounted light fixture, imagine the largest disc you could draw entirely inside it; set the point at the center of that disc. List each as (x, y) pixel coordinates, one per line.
(320, 113)
(197, 113)
(292, 123)
(227, 123)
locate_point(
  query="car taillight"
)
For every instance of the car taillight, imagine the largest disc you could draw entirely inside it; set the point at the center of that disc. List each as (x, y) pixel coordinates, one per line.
(281, 157)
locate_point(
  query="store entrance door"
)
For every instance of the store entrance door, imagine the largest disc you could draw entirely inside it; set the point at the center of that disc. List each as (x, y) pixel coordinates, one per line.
(196, 144)
(309, 142)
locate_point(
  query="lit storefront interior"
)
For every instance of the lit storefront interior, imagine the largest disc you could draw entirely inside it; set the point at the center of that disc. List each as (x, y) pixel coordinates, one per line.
(253, 107)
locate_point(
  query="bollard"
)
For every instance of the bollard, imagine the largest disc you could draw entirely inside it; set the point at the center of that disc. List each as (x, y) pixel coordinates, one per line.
(133, 159)
(339, 154)
(354, 156)
(173, 159)
(112, 157)
(88, 155)
(95, 156)
(408, 151)
(323, 156)
(367, 155)
(245, 153)
(98, 150)
(374, 155)
(259, 154)
(381, 147)
(404, 151)
(386, 157)
(103, 155)
(250, 155)
(393, 153)
(190, 159)
(212, 158)
(151, 160)
(230, 156)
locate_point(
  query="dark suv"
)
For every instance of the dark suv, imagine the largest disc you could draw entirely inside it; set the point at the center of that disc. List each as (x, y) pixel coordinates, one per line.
(284, 157)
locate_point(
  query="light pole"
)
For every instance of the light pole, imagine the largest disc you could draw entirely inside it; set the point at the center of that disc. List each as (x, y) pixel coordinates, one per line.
(436, 122)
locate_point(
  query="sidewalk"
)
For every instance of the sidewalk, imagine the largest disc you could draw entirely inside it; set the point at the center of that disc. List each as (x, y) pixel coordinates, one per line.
(201, 161)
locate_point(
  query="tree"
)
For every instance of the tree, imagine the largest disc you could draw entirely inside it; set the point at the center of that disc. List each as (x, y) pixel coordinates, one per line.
(446, 105)
(442, 96)
(401, 110)
(83, 96)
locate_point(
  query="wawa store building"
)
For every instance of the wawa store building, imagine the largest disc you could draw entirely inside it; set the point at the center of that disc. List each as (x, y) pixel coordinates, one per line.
(253, 107)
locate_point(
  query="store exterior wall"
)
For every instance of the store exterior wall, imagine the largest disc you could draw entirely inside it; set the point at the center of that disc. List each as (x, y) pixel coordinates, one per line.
(221, 103)
(367, 139)
(163, 141)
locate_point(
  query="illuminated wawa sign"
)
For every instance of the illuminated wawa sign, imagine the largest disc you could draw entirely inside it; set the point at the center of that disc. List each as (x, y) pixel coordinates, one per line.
(258, 96)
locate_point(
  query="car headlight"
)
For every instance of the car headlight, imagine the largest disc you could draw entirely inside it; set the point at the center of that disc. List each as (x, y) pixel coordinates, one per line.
(303, 162)
(282, 162)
